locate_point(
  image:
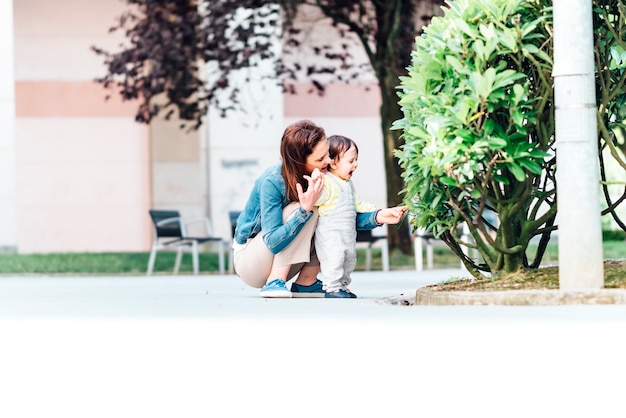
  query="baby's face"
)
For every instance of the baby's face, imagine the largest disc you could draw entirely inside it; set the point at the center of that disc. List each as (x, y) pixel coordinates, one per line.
(344, 165)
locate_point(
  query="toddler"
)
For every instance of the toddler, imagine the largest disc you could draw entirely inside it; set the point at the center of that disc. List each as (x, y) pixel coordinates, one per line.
(335, 236)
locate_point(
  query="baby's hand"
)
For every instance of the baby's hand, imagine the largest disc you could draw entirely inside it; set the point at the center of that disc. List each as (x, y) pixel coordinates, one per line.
(391, 215)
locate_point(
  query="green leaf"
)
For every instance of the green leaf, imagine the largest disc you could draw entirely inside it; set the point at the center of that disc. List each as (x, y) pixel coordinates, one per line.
(509, 40)
(517, 172)
(489, 127)
(487, 31)
(518, 117)
(500, 178)
(507, 77)
(449, 181)
(455, 63)
(530, 165)
(530, 49)
(435, 202)
(496, 143)
(539, 153)
(464, 27)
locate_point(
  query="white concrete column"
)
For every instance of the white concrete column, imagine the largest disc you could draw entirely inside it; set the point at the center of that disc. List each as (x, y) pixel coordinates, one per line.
(8, 149)
(580, 234)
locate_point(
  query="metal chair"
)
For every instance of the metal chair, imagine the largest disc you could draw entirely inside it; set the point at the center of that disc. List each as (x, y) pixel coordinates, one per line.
(421, 238)
(366, 236)
(171, 231)
(233, 215)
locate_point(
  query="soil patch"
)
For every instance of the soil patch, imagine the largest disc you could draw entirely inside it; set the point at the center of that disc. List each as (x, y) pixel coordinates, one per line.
(525, 287)
(545, 278)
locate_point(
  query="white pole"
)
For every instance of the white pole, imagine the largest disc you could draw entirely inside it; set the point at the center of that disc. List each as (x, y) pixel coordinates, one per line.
(580, 236)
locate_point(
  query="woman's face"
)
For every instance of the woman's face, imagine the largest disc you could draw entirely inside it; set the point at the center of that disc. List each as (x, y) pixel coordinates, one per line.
(318, 158)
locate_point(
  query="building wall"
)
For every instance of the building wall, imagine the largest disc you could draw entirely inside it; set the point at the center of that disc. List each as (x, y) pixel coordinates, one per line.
(83, 163)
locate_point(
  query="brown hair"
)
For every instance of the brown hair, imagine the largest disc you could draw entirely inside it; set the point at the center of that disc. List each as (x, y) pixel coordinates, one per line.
(297, 144)
(338, 144)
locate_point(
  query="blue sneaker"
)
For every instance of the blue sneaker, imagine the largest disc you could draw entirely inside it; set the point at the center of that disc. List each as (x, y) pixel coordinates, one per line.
(275, 289)
(312, 291)
(340, 294)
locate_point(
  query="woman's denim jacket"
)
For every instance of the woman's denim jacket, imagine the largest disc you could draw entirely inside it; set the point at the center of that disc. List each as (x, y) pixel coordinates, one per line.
(264, 212)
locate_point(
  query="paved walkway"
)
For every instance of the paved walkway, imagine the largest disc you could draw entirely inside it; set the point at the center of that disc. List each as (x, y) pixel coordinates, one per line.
(208, 346)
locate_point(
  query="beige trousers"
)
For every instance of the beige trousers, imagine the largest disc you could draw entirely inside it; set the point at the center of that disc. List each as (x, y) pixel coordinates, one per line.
(254, 262)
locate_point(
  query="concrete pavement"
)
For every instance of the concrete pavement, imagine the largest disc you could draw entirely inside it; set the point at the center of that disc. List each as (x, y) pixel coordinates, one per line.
(208, 346)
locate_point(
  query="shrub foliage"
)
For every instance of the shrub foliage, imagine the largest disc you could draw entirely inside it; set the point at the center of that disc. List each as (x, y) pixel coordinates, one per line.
(478, 128)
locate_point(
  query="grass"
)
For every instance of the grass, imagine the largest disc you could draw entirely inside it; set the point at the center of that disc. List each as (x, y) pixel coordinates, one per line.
(133, 263)
(130, 263)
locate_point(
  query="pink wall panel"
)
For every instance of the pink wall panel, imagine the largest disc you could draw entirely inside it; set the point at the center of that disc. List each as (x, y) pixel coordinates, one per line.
(68, 99)
(78, 228)
(339, 100)
(84, 185)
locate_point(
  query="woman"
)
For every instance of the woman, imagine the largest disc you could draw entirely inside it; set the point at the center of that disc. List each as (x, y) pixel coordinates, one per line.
(273, 238)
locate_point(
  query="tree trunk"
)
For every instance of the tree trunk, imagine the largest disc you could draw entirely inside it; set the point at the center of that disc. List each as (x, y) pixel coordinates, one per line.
(399, 235)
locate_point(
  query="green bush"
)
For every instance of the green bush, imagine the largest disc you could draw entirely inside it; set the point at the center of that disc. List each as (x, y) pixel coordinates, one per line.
(613, 235)
(478, 130)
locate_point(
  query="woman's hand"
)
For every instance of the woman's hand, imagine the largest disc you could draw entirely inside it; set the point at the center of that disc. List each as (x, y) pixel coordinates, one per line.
(391, 215)
(313, 192)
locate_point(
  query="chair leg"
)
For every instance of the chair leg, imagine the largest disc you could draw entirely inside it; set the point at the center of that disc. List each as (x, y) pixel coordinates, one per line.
(368, 257)
(179, 256)
(231, 262)
(151, 260)
(221, 256)
(194, 254)
(429, 254)
(419, 260)
(384, 252)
